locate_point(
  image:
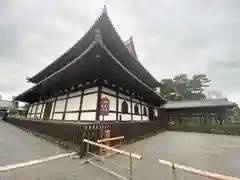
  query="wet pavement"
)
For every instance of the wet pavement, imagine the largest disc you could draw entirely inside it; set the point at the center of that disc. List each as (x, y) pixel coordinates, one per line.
(215, 153)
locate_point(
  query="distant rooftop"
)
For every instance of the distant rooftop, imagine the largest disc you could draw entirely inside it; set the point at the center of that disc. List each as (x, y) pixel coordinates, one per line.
(6, 104)
(197, 103)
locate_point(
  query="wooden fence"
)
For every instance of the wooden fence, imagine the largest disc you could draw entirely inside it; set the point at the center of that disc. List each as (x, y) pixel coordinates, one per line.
(74, 133)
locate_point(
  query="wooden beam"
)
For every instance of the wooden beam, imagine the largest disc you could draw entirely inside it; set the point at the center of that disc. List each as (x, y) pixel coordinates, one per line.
(110, 139)
(117, 92)
(141, 108)
(80, 106)
(65, 107)
(114, 149)
(197, 171)
(54, 106)
(97, 118)
(131, 107)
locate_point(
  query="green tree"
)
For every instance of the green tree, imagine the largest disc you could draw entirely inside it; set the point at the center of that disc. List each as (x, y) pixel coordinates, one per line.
(183, 88)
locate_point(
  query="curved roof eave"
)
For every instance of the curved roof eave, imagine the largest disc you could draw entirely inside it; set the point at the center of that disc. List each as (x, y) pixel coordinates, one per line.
(131, 74)
(47, 71)
(60, 70)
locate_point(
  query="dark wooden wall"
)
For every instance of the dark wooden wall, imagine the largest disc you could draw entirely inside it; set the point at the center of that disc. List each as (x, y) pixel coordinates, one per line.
(73, 133)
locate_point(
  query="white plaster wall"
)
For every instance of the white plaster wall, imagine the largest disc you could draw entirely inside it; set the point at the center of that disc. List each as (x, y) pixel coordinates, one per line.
(155, 112)
(30, 109)
(107, 90)
(60, 105)
(110, 117)
(145, 118)
(136, 117)
(123, 96)
(58, 116)
(93, 89)
(139, 108)
(37, 116)
(143, 109)
(44, 105)
(89, 102)
(71, 116)
(113, 102)
(39, 108)
(120, 105)
(73, 104)
(125, 117)
(88, 116)
(34, 109)
(77, 93)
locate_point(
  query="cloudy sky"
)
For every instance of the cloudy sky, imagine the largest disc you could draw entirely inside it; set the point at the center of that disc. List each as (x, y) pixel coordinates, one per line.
(171, 37)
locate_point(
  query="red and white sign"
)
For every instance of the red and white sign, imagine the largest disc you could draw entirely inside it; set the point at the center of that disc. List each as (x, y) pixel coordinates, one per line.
(104, 106)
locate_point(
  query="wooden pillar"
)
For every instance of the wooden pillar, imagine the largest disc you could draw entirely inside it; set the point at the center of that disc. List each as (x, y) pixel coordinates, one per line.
(54, 106)
(31, 110)
(117, 92)
(131, 107)
(36, 109)
(141, 108)
(80, 106)
(220, 118)
(65, 107)
(205, 118)
(41, 113)
(97, 118)
(179, 118)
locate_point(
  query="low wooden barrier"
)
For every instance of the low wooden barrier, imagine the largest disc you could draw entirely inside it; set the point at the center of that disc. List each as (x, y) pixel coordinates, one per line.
(122, 152)
(110, 139)
(71, 135)
(197, 171)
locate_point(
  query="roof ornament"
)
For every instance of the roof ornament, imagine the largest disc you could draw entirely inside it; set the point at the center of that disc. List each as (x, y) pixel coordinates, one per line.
(98, 37)
(104, 9)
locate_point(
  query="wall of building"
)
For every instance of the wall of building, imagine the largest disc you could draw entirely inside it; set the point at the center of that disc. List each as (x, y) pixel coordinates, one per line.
(67, 106)
(82, 105)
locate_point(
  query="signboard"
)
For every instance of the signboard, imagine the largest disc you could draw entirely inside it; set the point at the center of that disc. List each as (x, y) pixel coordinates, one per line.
(104, 106)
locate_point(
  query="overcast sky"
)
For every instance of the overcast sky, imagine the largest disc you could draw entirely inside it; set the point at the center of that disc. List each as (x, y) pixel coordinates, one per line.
(171, 37)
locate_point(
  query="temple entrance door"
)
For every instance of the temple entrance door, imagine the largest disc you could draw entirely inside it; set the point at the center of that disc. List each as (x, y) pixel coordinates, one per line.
(47, 110)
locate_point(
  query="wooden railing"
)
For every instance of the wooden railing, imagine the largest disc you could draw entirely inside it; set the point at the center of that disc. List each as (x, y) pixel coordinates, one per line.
(72, 134)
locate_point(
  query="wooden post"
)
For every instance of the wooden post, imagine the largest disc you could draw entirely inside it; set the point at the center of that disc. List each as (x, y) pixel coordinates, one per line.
(179, 118)
(107, 136)
(197, 171)
(130, 166)
(101, 134)
(205, 118)
(114, 149)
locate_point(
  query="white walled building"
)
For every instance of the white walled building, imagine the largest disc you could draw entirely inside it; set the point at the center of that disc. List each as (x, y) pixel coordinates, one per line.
(98, 65)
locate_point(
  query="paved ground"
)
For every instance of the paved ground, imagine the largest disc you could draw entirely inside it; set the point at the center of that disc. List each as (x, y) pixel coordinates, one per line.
(216, 153)
(18, 146)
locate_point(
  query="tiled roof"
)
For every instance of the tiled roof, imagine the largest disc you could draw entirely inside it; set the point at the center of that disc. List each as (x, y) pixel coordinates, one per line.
(197, 103)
